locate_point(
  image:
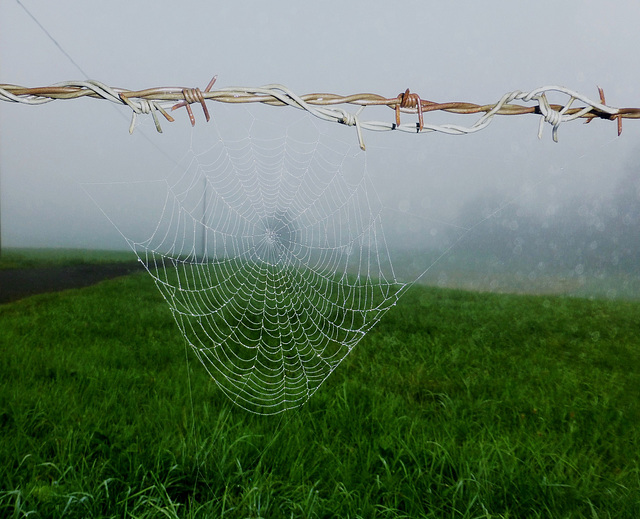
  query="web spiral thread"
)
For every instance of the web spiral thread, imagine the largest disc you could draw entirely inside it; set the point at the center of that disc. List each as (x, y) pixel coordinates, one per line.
(272, 257)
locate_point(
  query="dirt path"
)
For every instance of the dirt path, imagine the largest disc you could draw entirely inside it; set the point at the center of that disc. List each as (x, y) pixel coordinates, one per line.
(16, 284)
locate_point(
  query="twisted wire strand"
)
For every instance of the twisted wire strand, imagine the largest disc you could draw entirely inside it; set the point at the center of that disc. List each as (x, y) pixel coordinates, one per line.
(324, 105)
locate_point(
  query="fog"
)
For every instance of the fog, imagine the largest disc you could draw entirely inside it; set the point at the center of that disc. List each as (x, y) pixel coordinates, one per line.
(510, 208)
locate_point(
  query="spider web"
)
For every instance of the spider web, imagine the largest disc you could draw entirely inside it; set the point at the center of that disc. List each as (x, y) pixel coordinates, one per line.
(270, 251)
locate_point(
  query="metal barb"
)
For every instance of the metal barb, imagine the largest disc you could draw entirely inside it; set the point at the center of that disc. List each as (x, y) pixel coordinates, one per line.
(144, 106)
(194, 95)
(612, 117)
(409, 101)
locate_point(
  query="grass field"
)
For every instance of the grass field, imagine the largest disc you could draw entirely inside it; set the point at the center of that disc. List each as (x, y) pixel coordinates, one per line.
(457, 405)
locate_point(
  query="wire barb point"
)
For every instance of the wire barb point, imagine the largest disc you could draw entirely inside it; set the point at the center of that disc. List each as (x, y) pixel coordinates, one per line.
(409, 102)
(194, 95)
(617, 116)
(144, 106)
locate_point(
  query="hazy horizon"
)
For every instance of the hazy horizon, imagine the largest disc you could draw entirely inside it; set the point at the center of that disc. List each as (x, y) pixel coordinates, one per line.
(499, 192)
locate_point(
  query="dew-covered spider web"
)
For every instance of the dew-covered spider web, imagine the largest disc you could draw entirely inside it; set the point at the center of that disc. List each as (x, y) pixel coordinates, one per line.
(269, 248)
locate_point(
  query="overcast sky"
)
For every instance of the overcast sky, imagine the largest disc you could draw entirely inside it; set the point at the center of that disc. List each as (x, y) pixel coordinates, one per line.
(446, 51)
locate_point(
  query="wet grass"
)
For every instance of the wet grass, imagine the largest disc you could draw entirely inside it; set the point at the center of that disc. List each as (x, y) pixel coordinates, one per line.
(457, 404)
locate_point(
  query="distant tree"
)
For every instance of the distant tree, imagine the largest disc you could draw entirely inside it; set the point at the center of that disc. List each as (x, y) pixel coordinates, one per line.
(624, 219)
(594, 233)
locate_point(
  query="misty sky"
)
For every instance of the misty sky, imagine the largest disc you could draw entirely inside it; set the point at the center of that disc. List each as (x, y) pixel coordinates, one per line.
(446, 51)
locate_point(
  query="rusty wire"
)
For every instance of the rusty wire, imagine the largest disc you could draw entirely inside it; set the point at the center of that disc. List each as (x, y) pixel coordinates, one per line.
(327, 106)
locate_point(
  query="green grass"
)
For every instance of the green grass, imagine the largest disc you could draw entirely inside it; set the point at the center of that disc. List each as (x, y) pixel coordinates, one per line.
(22, 258)
(457, 405)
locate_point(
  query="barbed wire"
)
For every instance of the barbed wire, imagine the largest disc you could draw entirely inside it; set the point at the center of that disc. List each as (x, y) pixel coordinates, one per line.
(325, 106)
